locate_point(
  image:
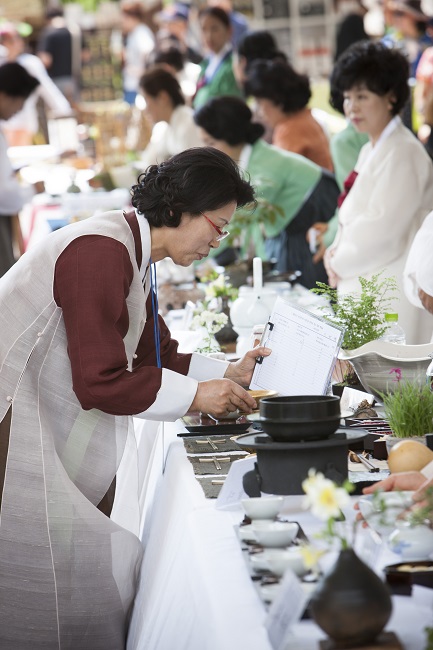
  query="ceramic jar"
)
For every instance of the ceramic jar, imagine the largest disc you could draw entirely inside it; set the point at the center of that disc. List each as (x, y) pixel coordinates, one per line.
(351, 604)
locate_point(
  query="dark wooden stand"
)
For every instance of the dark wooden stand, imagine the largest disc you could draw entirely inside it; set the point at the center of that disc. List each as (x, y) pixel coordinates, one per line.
(385, 641)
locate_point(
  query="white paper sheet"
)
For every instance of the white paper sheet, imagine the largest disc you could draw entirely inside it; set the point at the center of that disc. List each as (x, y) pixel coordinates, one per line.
(304, 349)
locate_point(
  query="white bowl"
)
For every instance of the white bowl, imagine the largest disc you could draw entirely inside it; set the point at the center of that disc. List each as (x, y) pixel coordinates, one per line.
(274, 533)
(270, 592)
(383, 522)
(246, 534)
(278, 560)
(374, 363)
(262, 507)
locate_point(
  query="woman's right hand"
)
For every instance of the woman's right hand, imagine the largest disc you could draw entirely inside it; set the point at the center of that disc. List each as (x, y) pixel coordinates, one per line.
(320, 227)
(219, 397)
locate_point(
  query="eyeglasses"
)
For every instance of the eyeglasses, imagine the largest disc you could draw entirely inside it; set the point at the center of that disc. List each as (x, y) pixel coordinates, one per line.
(222, 234)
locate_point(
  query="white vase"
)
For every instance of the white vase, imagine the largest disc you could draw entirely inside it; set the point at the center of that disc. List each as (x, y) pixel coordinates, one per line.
(375, 364)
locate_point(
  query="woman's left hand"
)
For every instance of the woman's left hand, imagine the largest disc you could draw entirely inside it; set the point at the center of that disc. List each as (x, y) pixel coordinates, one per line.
(242, 371)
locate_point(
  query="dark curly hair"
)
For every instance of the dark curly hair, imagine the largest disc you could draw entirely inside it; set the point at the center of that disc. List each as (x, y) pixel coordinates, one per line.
(380, 68)
(228, 119)
(196, 180)
(280, 83)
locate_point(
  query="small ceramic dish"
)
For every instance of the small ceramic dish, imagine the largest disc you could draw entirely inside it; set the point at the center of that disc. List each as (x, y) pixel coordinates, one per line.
(259, 395)
(234, 415)
(278, 560)
(262, 394)
(275, 533)
(262, 507)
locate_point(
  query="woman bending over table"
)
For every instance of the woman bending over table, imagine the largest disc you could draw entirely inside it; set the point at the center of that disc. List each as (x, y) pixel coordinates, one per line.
(82, 349)
(391, 190)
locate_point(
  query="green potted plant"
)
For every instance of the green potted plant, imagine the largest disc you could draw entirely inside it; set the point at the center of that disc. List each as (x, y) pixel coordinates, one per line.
(247, 228)
(362, 315)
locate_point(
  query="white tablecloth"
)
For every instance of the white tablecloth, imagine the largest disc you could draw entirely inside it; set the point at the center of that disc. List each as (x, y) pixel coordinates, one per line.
(195, 591)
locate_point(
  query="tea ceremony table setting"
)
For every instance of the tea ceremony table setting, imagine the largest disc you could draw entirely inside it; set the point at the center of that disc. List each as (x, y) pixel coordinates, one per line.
(222, 572)
(196, 590)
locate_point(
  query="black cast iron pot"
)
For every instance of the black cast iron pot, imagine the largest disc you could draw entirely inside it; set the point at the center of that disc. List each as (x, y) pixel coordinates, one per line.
(300, 417)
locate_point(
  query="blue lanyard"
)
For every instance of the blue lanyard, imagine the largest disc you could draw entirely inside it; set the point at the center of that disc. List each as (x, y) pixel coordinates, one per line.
(154, 292)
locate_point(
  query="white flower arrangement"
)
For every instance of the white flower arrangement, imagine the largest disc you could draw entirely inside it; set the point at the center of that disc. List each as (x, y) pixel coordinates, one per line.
(323, 496)
(326, 501)
(211, 322)
(218, 287)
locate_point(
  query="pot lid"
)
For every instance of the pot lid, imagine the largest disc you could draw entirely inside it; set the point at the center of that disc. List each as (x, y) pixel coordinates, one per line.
(261, 441)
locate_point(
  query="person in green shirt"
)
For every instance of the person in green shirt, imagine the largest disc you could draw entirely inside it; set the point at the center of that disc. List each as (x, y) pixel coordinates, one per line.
(292, 192)
(345, 147)
(216, 76)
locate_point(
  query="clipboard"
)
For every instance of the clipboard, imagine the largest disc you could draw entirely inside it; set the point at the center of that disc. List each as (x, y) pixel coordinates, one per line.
(304, 351)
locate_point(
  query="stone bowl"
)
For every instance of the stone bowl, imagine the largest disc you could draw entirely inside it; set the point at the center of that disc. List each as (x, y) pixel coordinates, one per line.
(300, 408)
(300, 417)
(379, 364)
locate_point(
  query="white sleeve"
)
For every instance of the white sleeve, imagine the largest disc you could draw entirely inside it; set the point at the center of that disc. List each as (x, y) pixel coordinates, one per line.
(427, 471)
(418, 272)
(47, 89)
(12, 195)
(203, 368)
(177, 392)
(174, 397)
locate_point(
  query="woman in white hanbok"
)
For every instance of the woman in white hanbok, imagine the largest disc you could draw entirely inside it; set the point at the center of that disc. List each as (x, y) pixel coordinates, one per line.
(391, 189)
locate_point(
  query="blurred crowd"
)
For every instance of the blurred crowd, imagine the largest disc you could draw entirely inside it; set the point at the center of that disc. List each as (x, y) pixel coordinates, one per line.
(335, 203)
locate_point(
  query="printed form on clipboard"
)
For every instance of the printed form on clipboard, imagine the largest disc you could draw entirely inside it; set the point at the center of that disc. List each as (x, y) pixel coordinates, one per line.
(304, 350)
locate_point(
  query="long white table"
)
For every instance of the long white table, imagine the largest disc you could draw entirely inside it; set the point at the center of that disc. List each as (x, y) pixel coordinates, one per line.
(195, 592)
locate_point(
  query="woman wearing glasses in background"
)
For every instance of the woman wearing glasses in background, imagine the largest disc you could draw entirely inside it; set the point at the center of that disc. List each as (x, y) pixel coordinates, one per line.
(83, 348)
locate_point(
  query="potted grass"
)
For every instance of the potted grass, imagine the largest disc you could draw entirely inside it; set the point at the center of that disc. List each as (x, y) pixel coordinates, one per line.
(408, 409)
